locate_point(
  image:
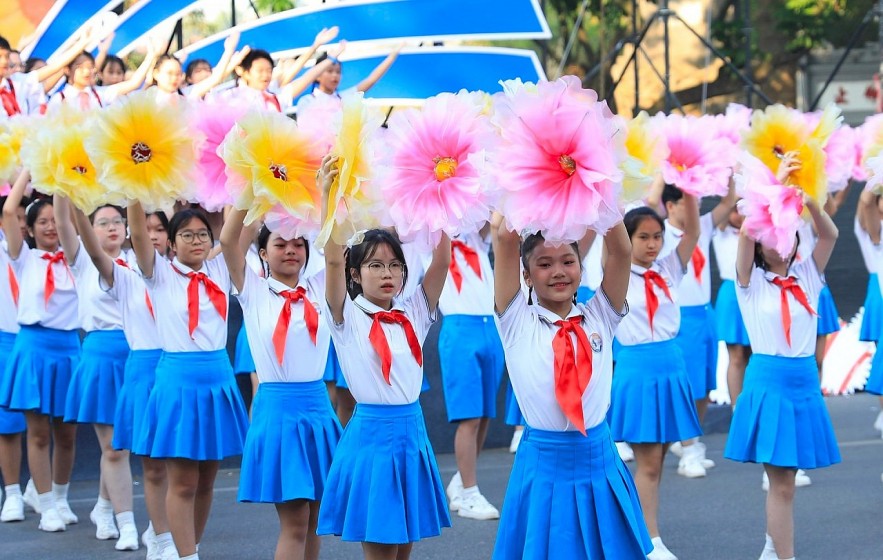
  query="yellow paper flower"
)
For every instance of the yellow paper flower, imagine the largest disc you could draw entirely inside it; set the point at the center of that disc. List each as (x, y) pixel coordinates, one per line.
(12, 133)
(646, 149)
(350, 206)
(271, 161)
(144, 150)
(829, 120)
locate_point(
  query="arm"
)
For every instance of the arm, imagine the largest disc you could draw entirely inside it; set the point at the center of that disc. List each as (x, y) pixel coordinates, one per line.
(617, 266)
(138, 76)
(586, 243)
(335, 263)
(827, 232)
(103, 49)
(833, 202)
(507, 265)
(437, 271)
(14, 239)
(691, 230)
(378, 72)
(654, 194)
(720, 212)
(100, 259)
(145, 254)
(57, 64)
(64, 224)
(744, 259)
(233, 253)
(221, 68)
(325, 36)
(299, 85)
(868, 215)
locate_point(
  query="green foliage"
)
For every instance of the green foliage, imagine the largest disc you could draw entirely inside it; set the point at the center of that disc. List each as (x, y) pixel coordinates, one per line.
(266, 7)
(807, 23)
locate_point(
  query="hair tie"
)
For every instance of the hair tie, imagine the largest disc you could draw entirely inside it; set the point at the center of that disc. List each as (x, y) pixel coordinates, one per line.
(356, 239)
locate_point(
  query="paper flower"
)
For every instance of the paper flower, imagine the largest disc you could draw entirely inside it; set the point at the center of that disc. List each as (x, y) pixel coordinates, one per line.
(320, 120)
(432, 176)
(699, 162)
(12, 133)
(646, 149)
(213, 120)
(59, 164)
(874, 167)
(731, 125)
(840, 157)
(772, 210)
(271, 161)
(558, 165)
(144, 150)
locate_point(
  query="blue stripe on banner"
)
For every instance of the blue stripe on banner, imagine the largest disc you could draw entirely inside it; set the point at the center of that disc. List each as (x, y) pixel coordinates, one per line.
(62, 23)
(143, 17)
(375, 20)
(421, 73)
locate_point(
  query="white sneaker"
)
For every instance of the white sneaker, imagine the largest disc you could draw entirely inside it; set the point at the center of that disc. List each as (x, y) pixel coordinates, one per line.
(801, 479)
(13, 509)
(677, 449)
(625, 451)
(64, 510)
(476, 506)
(455, 487)
(105, 527)
(516, 440)
(167, 551)
(769, 551)
(660, 551)
(878, 423)
(128, 538)
(690, 467)
(700, 451)
(148, 539)
(51, 522)
(30, 496)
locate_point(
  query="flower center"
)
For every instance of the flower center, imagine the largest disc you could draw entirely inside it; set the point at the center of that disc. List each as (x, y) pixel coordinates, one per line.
(567, 164)
(79, 169)
(445, 167)
(279, 171)
(141, 153)
(779, 151)
(680, 167)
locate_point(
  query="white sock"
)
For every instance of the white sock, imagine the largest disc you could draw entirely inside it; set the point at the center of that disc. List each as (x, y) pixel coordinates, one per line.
(469, 492)
(125, 518)
(191, 557)
(60, 490)
(47, 501)
(13, 490)
(103, 506)
(163, 538)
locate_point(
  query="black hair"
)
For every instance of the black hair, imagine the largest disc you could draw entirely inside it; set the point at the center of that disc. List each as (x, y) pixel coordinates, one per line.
(635, 216)
(164, 58)
(113, 59)
(161, 216)
(121, 212)
(356, 255)
(184, 216)
(33, 210)
(255, 55)
(4, 44)
(322, 58)
(264, 239)
(527, 248)
(31, 62)
(671, 193)
(761, 263)
(87, 56)
(191, 67)
(23, 203)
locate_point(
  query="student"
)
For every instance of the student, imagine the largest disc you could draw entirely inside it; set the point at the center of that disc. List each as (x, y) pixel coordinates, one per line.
(81, 90)
(869, 222)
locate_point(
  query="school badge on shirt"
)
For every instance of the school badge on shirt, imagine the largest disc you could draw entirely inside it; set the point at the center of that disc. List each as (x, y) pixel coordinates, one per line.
(596, 342)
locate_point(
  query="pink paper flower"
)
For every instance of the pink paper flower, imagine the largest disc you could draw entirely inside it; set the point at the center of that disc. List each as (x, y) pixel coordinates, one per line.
(699, 162)
(558, 166)
(840, 156)
(771, 210)
(279, 220)
(213, 119)
(731, 125)
(321, 120)
(432, 174)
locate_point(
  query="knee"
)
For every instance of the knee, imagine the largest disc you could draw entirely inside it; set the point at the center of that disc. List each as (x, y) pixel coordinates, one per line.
(114, 456)
(39, 437)
(184, 487)
(470, 425)
(154, 473)
(65, 439)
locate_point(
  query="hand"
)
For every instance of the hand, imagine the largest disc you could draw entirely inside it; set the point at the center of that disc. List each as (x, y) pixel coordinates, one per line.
(325, 36)
(238, 57)
(231, 42)
(338, 50)
(104, 45)
(327, 173)
(399, 47)
(788, 165)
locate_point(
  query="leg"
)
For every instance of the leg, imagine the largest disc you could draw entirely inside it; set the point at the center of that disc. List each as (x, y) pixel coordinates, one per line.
(346, 404)
(466, 450)
(314, 543)
(10, 458)
(376, 551)
(254, 390)
(736, 369)
(701, 408)
(183, 477)
(821, 346)
(64, 446)
(39, 437)
(404, 552)
(332, 393)
(482, 435)
(294, 521)
(116, 475)
(649, 458)
(780, 509)
(205, 491)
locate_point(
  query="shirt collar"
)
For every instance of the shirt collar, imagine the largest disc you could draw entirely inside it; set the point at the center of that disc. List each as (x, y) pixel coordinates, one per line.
(279, 287)
(674, 229)
(183, 267)
(551, 318)
(368, 307)
(770, 276)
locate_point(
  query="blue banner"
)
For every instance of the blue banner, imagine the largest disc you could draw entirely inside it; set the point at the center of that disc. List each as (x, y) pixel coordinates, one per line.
(62, 22)
(143, 17)
(375, 20)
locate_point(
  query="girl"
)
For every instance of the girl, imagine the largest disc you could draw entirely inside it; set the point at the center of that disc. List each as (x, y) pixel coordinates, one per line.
(167, 73)
(780, 419)
(45, 354)
(559, 355)
(868, 225)
(652, 406)
(294, 430)
(113, 71)
(378, 340)
(195, 416)
(92, 396)
(81, 89)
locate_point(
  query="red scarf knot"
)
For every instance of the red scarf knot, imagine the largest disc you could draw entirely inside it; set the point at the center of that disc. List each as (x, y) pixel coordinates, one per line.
(311, 318)
(378, 339)
(572, 376)
(786, 285)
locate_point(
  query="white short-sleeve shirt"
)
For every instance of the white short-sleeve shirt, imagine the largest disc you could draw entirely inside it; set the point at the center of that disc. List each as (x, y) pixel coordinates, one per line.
(98, 310)
(476, 294)
(8, 306)
(28, 93)
(866, 246)
(635, 327)
(261, 307)
(96, 96)
(527, 332)
(761, 306)
(254, 98)
(168, 290)
(693, 291)
(726, 246)
(359, 361)
(60, 312)
(139, 323)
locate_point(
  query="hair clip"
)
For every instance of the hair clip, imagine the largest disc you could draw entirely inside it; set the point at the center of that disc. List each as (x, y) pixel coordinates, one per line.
(356, 239)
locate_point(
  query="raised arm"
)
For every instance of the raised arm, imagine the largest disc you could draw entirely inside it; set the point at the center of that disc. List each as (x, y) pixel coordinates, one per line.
(233, 253)
(103, 49)
(100, 259)
(64, 224)
(299, 85)
(585, 244)
(691, 229)
(437, 271)
(323, 37)
(379, 71)
(11, 228)
(138, 75)
(58, 63)
(617, 265)
(507, 263)
(335, 263)
(145, 254)
(833, 202)
(221, 69)
(744, 259)
(720, 212)
(827, 233)
(868, 215)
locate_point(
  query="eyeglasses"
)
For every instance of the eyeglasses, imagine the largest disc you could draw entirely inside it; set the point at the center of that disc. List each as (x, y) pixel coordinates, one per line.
(376, 268)
(189, 236)
(105, 224)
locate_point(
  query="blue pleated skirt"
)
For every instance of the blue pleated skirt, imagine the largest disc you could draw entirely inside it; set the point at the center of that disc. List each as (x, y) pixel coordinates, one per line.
(874, 383)
(290, 443)
(513, 410)
(873, 317)
(132, 400)
(10, 422)
(698, 342)
(243, 362)
(730, 326)
(471, 358)
(195, 410)
(651, 399)
(829, 317)
(98, 379)
(333, 373)
(384, 485)
(39, 369)
(570, 496)
(780, 417)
